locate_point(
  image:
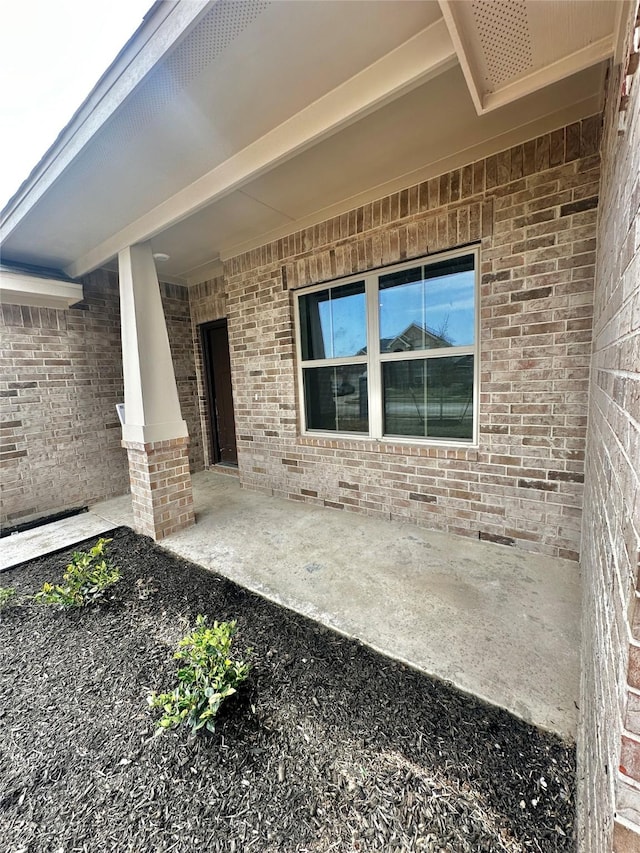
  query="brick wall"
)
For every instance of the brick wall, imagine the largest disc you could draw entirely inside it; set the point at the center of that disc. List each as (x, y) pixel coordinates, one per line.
(62, 378)
(609, 734)
(175, 301)
(533, 210)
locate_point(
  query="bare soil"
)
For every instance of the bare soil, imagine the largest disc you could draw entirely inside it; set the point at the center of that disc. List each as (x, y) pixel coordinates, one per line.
(328, 746)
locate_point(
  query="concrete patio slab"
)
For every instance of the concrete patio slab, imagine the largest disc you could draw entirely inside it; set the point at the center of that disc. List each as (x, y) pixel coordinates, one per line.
(494, 621)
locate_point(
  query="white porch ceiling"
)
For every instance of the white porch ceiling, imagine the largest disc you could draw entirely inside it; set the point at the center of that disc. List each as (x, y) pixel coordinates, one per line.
(365, 161)
(247, 119)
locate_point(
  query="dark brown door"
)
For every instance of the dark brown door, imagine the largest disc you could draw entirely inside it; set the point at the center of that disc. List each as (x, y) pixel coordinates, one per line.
(215, 344)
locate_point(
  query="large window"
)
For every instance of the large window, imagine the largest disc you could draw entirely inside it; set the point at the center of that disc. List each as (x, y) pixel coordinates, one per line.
(393, 353)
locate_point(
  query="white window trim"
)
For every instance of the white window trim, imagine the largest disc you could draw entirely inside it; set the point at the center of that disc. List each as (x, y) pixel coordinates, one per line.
(374, 359)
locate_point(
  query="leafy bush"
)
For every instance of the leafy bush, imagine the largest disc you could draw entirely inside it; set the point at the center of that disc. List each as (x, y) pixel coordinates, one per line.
(85, 580)
(206, 678)
(7, 593)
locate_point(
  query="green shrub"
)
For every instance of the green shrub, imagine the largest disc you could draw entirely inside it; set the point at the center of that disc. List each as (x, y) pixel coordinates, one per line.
(85, 580)
(207, 676)
(7, 593)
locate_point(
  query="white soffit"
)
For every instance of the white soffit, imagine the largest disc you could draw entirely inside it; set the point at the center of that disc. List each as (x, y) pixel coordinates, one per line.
(367, 160)
(370, 160)
(229, 75)
(426, 55)
(510, 48)
(19, 288)
(165, 24)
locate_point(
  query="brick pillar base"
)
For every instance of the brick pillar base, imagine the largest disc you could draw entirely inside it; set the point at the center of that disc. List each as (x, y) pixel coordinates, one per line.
(161, 495)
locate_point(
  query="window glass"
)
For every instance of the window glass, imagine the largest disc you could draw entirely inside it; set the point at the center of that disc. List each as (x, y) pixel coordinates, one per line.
(404, 388)
(450, 397)
(402, 311)
(336, 398)
(428, 309)
(422, 371)
(333, 322)
(429, 398)
(450, 300)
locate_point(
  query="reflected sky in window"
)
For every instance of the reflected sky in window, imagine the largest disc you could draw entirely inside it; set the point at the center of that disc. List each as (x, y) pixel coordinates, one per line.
(437, 311)
(443, 307)
(344, 325)
(333, 322)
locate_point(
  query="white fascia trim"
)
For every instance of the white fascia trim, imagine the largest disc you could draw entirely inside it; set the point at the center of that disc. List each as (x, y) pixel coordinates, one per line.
(162, 27)
(20, 289)
(425, 55)
(578, 61)
(622, 820)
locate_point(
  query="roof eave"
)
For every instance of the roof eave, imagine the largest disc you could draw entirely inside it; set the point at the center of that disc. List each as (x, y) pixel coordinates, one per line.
(166, 22)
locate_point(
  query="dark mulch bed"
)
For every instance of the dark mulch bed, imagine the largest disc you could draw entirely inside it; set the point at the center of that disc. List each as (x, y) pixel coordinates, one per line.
(329, 747)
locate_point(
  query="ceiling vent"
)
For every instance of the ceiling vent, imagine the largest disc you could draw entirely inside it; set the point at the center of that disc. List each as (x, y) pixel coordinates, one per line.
(503, 27)
(218, 29)
(511, 48)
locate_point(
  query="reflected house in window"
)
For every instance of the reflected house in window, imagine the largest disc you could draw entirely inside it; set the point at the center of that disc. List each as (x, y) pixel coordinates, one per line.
(409, 374)
(407, 377)
(415, 337)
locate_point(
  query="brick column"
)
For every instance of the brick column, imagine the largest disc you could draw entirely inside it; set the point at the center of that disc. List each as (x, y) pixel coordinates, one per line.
(160, 486)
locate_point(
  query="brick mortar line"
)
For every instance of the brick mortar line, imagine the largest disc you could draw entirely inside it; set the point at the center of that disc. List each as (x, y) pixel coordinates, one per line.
(622, 451)
(599, 329)
(627, 780)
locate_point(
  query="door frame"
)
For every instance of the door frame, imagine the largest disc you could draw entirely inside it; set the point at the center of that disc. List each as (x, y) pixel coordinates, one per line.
(209, 384)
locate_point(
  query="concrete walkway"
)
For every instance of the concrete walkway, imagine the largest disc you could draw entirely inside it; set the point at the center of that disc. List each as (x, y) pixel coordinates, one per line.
(55, 536)
(496, 622)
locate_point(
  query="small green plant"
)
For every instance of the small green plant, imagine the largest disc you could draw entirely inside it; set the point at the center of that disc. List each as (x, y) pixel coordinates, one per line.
(85, 580)
(208, 675)
(7, 594)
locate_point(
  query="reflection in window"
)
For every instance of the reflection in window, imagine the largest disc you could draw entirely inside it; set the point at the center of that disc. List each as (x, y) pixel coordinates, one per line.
(336, 398)
(431, 398)
(333, 322)
(428, 308)
(419, 381)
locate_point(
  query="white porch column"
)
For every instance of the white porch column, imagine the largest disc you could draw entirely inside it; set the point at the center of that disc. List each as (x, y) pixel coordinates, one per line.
(154, 434)
(152, 409)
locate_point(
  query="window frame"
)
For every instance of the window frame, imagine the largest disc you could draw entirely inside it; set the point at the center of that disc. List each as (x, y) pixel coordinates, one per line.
(374, 358)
